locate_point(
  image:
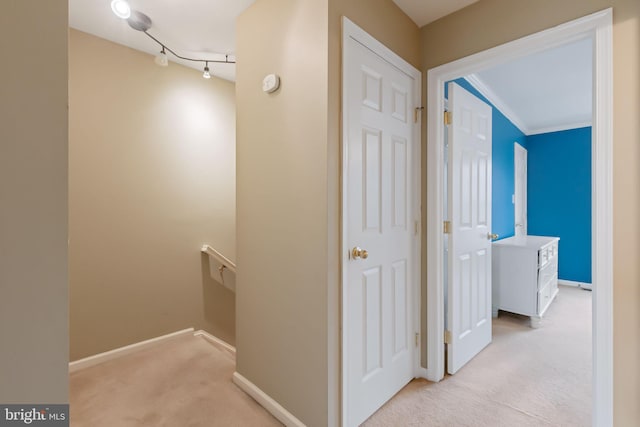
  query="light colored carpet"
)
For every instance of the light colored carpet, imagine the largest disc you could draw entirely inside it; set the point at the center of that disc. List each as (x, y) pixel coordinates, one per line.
(185, 382)
(525, 377)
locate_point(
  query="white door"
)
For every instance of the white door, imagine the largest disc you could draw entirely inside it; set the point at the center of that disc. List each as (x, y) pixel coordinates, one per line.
(379, 338)
(520, 192)
(469, 297)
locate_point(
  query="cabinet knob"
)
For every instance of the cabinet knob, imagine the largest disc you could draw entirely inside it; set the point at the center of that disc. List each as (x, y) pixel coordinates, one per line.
(492, 236)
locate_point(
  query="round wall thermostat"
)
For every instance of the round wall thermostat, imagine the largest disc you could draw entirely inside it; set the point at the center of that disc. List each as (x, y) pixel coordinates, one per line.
(271, 83)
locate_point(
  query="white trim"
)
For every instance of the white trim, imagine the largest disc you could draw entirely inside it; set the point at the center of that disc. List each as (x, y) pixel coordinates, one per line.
(597, 26)
(560, 128)
(268, 403)
(435, 218)
(475, 81)
(352, 31)
(573, 284)
(214, 340)
(122, 351)
(524, 227)
(602, 221)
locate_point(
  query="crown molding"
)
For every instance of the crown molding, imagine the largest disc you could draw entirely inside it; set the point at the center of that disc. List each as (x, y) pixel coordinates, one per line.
(475, 81)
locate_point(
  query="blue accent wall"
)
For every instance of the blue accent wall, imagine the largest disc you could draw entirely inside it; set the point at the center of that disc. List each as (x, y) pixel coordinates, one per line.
(559, 188)
(559, 197)
(504, 135)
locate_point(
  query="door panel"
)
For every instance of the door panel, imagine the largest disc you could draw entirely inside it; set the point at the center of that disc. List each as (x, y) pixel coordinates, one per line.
(372, 321)
(377, 298)
(399, 183)
(469, 292)
(400, 332)
(372, 147)
(483, 189)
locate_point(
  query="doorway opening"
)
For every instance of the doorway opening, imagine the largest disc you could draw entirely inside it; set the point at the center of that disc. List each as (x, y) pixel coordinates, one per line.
(598, 27)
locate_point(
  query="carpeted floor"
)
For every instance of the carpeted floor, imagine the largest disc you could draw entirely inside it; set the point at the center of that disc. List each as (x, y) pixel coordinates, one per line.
(526, 377)
(185, 382)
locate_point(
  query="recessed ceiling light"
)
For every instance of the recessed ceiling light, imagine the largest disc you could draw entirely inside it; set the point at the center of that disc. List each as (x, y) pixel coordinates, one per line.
(121, 8)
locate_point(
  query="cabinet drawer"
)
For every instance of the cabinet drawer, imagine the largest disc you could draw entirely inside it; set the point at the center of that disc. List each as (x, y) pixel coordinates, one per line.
(546, 273)
(544, 298)
(543, 257)
(554, 285)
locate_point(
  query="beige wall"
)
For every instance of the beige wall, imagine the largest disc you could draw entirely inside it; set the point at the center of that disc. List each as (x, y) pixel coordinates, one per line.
(282, 204)
(384, 20)
(152, 178)
(489, 23)
(288, 194)
(33, 202)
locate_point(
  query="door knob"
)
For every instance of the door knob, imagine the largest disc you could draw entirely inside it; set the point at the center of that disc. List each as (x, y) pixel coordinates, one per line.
(492, 236)
(358, 252)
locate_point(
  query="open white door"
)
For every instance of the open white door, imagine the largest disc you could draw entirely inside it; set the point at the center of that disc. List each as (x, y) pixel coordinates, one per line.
(520, 191)
(469, 297)
(380, 231)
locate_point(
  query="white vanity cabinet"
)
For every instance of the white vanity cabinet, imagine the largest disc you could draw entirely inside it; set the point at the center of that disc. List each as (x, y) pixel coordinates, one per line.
(525, 275)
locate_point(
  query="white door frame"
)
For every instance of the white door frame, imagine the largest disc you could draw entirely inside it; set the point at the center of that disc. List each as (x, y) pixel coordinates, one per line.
(351, 30)
(525, 226)
(598, 27)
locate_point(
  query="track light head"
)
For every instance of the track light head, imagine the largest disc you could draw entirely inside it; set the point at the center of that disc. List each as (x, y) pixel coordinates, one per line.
(161, 58)
(206, 73)
(121, 8)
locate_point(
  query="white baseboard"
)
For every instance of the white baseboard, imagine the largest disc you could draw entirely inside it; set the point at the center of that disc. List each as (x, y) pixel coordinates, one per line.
(215, 340)
(582, 285)
(266, 401)
(118, 352)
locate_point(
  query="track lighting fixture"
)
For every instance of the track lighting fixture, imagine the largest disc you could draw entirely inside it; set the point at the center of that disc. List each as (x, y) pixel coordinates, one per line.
(141, 22)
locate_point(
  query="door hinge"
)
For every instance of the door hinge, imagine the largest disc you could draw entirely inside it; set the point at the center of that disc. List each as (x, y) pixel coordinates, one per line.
(416, 114)
(447, 227)
(416, 227)
(447, 117)
(447, 337)
(417, 339)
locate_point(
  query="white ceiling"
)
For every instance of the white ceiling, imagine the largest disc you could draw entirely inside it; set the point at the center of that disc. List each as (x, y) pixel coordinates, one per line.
(543, 92)
(547, 90)
(203, 28)
(196, 28)
(425, 11)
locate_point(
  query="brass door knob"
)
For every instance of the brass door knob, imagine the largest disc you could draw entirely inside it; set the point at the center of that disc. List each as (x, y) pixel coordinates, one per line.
(492, 236)
(358, 252)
